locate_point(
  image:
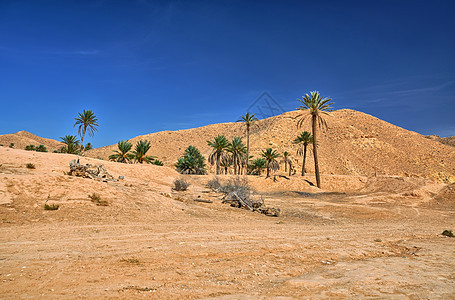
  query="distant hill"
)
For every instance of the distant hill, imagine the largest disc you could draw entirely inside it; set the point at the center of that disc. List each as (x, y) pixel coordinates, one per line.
(445, 140)
(354, 144)
(24, 138)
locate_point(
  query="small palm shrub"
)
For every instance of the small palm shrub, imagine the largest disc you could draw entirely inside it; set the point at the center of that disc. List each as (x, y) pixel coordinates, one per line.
(41, 148)
(123, 154)
(30, 148)
(52, 206)
(448, 233)
(88, 147)
(157, 162)
(71, 144)
(192, 162)
(140, 152)
(180, 184)
(30, 166)
(257, 166)
(11, 145)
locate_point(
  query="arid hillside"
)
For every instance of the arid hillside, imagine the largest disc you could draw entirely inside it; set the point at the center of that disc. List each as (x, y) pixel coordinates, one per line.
(137, 237)
(445, 140)
(355, 143)
(24, 138)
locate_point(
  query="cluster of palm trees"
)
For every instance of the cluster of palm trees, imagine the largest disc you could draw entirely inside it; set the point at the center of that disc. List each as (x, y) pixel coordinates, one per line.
(87, 122)
(225, 154)
(138, 155)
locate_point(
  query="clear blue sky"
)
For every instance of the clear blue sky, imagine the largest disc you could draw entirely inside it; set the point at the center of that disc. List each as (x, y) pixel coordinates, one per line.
(146, 66)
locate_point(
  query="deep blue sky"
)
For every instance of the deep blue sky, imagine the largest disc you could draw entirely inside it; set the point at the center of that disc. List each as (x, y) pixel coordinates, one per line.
(146, 66)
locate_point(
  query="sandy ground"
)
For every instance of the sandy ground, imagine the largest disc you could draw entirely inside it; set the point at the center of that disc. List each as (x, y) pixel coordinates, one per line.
(359, 238)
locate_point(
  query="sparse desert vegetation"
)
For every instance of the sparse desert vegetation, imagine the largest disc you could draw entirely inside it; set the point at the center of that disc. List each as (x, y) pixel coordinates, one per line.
(158, 233)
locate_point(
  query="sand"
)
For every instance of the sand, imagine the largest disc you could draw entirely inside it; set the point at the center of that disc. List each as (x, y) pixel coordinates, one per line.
(359, 237)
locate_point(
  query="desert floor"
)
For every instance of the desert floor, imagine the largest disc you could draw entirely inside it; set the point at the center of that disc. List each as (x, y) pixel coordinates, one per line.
(381, 238)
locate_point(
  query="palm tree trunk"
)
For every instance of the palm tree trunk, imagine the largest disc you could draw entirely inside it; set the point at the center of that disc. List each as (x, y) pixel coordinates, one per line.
(82, 139)
(304, 159)
(315, 153)
(268, 170)
(218, 164)
(235, 166)
(247, 146)
(285, 166)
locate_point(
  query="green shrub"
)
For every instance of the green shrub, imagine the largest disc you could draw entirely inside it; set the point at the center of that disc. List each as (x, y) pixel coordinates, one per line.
(41, 148)
(192, 162)
(51, 206)
(157, 162)
(30, 166)
(30, 148)
(448, 233)
(88, 147)
(11, 145)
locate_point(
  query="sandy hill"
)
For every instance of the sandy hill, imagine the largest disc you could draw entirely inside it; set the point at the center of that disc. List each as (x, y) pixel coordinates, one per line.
(355, 143)
(360, 236)
(445, 140)
(24, 138)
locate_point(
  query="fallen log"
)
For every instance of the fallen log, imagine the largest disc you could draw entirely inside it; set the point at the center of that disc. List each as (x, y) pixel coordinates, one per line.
(203, 200)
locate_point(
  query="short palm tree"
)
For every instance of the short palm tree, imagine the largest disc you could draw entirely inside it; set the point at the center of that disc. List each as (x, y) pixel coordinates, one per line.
(71, 144)
(314, 106)
(248, 119)
(123, 154)
(89, 146)
(304, 139)
(86, 121)
(219, 145)
(192, 162)
(140, 152)
(257, 166)
(237, 150)
(270, 156)
(286, 160)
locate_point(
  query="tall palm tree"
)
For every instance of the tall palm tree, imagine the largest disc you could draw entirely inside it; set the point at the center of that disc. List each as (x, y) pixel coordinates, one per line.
(304, 138)
(315, 107)
(86, 120)
(123, 154)
(248, 119)
(237, 150)
(140, 152)
(286, 160)
(270, 156)
(219, 145)
(70, 142)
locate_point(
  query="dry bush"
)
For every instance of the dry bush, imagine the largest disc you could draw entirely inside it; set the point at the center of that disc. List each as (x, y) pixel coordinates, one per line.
(237, 185)
(214, 184)
(96, 198)
(30, 166)
(180, 184)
